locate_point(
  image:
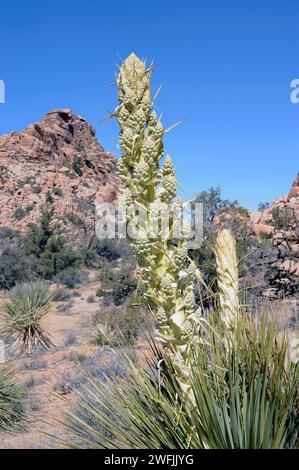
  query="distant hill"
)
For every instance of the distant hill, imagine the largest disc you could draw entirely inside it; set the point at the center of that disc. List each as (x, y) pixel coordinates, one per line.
(57, 159)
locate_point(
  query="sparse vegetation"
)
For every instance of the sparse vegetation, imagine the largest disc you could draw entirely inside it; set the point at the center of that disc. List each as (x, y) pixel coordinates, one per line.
(60, 294)
(237, 390)
(65, 307)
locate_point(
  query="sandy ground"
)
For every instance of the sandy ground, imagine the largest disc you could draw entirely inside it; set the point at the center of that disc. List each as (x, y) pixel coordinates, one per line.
(40, 374)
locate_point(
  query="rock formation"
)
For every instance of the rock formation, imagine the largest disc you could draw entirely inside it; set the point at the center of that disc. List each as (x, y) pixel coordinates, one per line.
(58, 159)
(280, 223)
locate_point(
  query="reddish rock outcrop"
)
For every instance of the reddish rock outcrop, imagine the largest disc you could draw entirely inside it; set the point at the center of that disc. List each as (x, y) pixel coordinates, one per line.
(58, 158)
(280, 223)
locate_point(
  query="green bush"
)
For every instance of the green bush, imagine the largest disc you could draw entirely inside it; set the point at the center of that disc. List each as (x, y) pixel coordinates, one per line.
(123, 285)
(75, 219)
(15, 266)
(19, 213)
(105, 249)
(49, 198)
(45, 242)
(77, 166)
(71, 277)
(117, 284)
(11, 401)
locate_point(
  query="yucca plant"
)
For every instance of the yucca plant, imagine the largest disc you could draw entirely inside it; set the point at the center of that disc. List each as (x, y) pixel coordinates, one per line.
(244, 384)
(246, 387)
(22, 313)
(150, 187)
(101, 334)
(11, 401)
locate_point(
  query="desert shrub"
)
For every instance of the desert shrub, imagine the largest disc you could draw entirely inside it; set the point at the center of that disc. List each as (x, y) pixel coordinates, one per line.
(71, 277)
(117, 284)
(49, 247)
(60, 294)
(75, 219)
(263, 206)
(15, 266)
(99, 372)
(27, 305)
(19, 213)
(101, 292)
(76, 293)
(36, 189)
(66, 307)
(11, 401)
(27, 180)
(283, 218)
(77, 166)
(85, 206)
(119, 326)
(105, 274)
(102, 335)
(71, 339)
(57, 258)
(106, 249)
(91, 299)
(123, 285)
(33, 405)
(77, 377)
(57, 191)
(49, 198)
(252, 252)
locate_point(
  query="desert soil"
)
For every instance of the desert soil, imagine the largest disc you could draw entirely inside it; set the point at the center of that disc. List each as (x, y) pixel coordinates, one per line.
(42, 375)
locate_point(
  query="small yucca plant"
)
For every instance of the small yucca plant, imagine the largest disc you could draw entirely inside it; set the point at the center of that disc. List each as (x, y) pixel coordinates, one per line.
(102, 335)
(27, 305)
(11, 407)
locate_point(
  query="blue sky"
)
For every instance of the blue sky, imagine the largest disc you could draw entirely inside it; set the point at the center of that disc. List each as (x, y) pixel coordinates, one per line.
(226, 67)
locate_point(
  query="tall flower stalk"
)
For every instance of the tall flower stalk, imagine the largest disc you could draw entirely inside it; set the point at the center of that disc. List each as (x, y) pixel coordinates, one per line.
(150, 188)
(227, 276)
